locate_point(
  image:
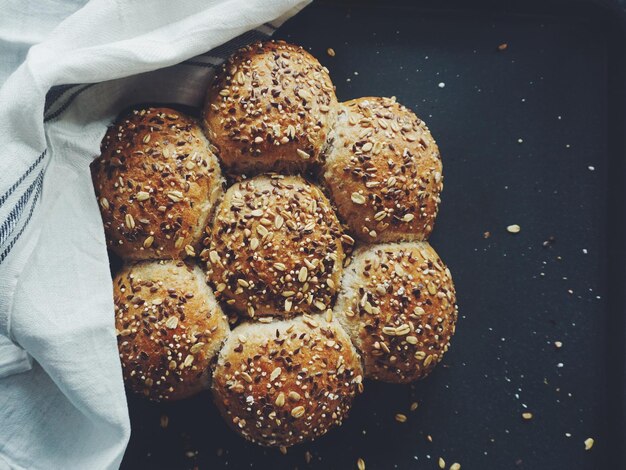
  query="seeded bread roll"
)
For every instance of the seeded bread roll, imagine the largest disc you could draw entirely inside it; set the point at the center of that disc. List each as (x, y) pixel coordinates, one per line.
(271, 107)
(286, 382)
(157, 182)
(384, 171)
(169, 328)
(398, 304)
(275, 247)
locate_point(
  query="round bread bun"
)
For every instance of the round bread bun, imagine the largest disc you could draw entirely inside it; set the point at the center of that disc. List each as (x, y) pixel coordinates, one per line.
(272, 107)
(384, 171)
(169, 328)
(157, 181)
(275, 248)
(286, 382)
(398, 304)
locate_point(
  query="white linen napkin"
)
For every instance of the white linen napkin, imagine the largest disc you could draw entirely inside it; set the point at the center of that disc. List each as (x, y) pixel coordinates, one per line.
(68, 410)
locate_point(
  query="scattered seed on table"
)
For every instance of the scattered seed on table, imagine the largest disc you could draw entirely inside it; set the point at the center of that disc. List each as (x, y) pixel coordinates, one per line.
(400, 418)
(527, 415)
(330, 51)
(589, 443)
(513, 228)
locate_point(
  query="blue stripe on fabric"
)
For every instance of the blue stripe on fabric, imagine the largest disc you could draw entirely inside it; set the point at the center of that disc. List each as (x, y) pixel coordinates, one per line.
(9, 247)
(55, 93)
(72, 97)
(30, 169)
(13, 218)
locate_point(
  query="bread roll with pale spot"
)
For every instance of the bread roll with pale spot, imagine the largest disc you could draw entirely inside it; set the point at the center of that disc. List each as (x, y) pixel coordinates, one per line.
(286, 382)
(157, 181)
(384, 171)
(398, 304)
(275, 248)
(272, 107)
(169, 328)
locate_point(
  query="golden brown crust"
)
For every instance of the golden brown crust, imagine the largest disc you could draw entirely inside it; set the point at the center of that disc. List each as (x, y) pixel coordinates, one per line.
(286, 382)
(169, 328)
(398, 304)
(272, 107)
(384, 171)
(275, 247)
(157, 182)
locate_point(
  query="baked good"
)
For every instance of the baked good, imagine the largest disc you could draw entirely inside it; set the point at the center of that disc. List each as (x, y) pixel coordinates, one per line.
(398, 304)
(169, 328)
(275, 247)
(157, 181)
(384, 171)
(271, 107)
(286, 382)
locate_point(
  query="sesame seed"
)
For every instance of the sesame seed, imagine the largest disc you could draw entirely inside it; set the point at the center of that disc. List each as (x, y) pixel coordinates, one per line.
(297, 412)
(142, 195)
(188, 361)
(455, 466)
(360, 464)
(147, 243)
(104, 202)
(171, 323)
(400, 418)
(589, 443)
(196, 347)
(414, 406)
(331, 52)
(129, 221)
(190, 250)
(358, 198)
(275, 373)
(441, 463)
(280, 400)
(513, 228)
(175, 196)
(164, 421)
(527, 415)
(302, 154)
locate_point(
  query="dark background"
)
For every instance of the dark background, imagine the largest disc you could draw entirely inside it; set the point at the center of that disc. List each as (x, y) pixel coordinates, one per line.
(532, 135)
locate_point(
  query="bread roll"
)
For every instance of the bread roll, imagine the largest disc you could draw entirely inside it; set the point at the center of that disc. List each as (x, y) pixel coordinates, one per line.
(275, 248)
(169, 328)
(271, 107)
(157, 182)
(384, 171)
(286, 382)
(398, 304)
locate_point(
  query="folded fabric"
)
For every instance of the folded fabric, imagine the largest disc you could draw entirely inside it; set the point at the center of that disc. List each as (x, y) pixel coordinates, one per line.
(69, 410)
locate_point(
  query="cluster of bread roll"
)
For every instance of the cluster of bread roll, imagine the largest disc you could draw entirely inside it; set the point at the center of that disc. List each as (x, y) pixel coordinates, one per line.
(281, 292)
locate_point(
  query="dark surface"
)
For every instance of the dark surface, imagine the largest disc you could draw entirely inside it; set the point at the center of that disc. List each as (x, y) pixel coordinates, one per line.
(559, 88)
